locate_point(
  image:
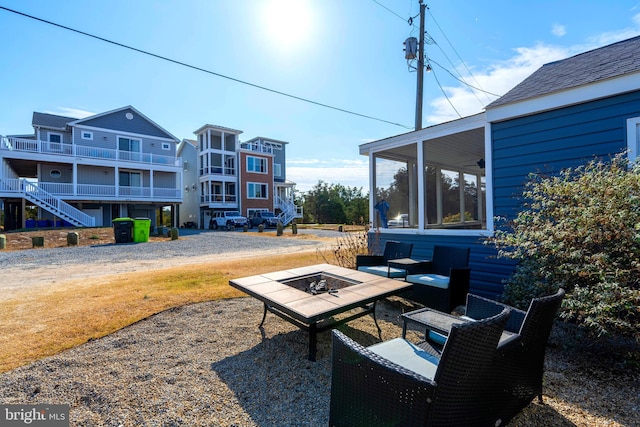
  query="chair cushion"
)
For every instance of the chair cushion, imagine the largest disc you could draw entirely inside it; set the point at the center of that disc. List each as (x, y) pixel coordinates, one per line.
(437, 338)
(403, 353)
(383, 270)
(434, 280)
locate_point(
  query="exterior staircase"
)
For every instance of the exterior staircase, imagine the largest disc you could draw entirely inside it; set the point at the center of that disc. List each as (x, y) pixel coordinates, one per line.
(289, 210)
(58, 207)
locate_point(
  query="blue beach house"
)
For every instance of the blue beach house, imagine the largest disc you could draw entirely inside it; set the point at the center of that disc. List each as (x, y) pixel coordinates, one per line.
(449, 181)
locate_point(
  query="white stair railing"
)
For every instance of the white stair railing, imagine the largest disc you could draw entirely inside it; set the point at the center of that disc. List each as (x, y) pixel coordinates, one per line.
(289, 210)
(5, 143)
(56, 206)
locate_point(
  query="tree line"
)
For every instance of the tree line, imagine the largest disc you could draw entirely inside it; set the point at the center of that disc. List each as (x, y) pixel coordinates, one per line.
(334, 204)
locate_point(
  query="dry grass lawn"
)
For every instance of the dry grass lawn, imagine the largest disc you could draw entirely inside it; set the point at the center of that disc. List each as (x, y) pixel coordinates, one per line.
(35, 324)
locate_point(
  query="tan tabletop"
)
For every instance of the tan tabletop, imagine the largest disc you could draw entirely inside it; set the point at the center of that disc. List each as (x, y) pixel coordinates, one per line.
(311, 312)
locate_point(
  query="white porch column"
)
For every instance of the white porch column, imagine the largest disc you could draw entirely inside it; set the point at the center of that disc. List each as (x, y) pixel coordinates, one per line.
(151, 183)
(74, 178)
(488, 176)
(421, 186)
(117, 180)
(372, 189)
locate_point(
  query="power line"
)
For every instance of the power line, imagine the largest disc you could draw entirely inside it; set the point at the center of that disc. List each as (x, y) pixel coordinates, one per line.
(389, 10)
(456, 52)
(462, 81)
(164, 58)
(409, 21)
(445, 94)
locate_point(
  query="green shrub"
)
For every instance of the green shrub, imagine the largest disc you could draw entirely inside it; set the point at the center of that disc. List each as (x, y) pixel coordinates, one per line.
(580, 230)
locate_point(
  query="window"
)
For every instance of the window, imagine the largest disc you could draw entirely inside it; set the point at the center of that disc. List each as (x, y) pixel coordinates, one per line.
(86, 135)
(434, 183)
(277, 169)
(55, 173)
(257, 190)
(129, 149)
(55, 137)
(166, 146)
(55, 143)
(395, 187)
(256, 164)
(129, 144)
(633, 138)
(130, 179)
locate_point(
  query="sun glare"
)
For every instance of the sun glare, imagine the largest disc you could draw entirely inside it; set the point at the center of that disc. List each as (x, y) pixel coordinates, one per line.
(288, 24)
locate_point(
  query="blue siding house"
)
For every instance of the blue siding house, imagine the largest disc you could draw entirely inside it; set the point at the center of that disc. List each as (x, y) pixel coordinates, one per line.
(451, 180)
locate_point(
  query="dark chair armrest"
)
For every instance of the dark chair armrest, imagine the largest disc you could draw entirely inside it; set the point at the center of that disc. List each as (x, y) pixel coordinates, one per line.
(369, 260)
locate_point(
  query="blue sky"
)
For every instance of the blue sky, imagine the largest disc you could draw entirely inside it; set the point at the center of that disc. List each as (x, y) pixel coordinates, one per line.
(344, 53)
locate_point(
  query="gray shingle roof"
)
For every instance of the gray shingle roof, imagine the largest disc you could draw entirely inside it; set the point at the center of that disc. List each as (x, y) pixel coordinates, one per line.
(50, 120)
(589, 67)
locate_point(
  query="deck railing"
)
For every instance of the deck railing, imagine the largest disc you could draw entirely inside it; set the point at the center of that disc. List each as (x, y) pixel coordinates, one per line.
(111, 191)
(83, 151)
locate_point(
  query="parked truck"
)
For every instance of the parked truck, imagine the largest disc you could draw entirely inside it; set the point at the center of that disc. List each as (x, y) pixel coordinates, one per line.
(266, 218)
(227, 219)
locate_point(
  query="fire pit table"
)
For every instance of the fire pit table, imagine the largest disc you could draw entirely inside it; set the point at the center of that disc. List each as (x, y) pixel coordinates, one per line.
(309, 296)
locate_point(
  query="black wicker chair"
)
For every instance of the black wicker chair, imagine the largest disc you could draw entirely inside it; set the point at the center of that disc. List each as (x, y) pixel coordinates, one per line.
(520, 366)
(444, 283)
(519, 362)
(377, 264)
(370, 390)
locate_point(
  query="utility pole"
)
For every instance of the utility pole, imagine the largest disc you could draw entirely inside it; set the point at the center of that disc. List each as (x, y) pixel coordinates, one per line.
(420, 69)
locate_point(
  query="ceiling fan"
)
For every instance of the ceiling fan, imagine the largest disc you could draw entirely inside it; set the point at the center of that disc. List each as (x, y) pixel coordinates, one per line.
(480, 163)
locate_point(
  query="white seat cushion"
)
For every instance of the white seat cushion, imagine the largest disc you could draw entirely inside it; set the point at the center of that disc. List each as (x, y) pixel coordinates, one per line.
(434, 280)
(384, 271)
(403, 353)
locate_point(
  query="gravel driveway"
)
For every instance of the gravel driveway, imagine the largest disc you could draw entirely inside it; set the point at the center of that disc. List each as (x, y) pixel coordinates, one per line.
(191, 243)
(50, 265)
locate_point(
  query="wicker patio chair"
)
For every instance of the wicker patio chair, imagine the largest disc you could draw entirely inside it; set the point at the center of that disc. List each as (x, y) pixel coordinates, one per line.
(377, 264)
(519, 365)
(370, 390)
(444, 283)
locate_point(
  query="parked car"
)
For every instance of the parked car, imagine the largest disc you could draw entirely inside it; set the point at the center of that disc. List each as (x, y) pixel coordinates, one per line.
(266, 218)
(401, 220)
(228, 219)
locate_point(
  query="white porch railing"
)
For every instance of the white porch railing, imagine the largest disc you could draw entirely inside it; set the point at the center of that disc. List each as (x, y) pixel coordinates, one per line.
(258, 147)
(218, 170)
(73, 150)
(110, 191)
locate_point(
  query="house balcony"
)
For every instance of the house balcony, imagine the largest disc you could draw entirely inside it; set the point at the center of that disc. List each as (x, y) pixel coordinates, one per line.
(219, 201)
(60, 150)
(68, 191)
(257, 147)
(218, 171)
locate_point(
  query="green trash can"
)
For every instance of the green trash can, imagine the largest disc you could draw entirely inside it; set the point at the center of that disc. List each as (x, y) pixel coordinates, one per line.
(123, 230)
(141, 227)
